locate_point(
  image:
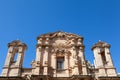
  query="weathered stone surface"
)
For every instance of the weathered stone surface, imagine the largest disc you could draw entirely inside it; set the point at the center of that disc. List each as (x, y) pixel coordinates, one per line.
(59, 55)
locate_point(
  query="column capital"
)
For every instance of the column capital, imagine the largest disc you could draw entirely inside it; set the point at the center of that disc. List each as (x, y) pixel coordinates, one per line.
(46, 48)
(40, 48)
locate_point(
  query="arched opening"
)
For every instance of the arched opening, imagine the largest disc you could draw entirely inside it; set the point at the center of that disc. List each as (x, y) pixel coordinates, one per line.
(15, 57)
(103, 57)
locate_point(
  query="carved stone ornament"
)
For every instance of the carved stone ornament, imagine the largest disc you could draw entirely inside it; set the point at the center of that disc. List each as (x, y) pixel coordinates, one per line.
(59, 34)
(60, 44)
(35, 63)
(76, 61)
(60, 52)
(40, 48)
(46, 62)
(27, 77)
(20, 50)
(40, 41)
(11, 49)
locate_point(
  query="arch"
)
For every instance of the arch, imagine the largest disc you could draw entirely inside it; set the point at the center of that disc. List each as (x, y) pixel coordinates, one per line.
(103, 57)
(15, 57)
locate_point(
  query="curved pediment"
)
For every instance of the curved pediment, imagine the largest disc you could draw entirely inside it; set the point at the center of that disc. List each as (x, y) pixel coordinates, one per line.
(59, 34)
(59, 40)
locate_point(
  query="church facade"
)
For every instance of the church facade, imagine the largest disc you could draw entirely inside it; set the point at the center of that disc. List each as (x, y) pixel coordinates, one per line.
(59, 56)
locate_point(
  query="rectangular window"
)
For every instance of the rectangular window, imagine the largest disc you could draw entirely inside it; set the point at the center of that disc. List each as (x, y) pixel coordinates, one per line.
(60, 63)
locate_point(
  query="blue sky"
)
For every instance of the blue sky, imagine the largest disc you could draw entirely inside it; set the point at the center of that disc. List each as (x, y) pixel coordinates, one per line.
(93, 19)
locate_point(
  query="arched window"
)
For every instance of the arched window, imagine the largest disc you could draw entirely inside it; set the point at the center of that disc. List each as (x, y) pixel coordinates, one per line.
(103, 57)
(15, 57)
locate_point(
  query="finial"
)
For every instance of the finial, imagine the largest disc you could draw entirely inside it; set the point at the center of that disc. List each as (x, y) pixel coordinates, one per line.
(99, 40)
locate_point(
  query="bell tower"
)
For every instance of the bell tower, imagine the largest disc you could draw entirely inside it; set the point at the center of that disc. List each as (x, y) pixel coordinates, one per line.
(103, 60)
(14, 59)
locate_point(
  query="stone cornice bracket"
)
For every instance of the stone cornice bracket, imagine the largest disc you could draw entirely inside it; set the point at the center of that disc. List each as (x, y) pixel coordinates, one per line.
(40, 48)
(80, 42)
(40, 41)
(35, 63)
(43, 42)
(81, 48)
(67, 54)
(101, 44)
(47, 40)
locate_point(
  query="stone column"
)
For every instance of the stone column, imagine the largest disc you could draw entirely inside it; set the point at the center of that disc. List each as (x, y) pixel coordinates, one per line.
(6, 67)
(72, 63)
(53, 63)
(37, 63)
(75, 61)
(83, 61)
(66, 64)
(75, 68)
(108, 58)
(18, 62)
(38, 53)
(5, 71)
(8, 59)
(45, 61)
(20, 57)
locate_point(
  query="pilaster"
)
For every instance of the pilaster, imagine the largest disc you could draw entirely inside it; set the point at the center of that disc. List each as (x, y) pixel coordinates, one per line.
(81, 59)
(53, 63)
(66, 64)
(108, 58)
(45, 61)
(74, 61)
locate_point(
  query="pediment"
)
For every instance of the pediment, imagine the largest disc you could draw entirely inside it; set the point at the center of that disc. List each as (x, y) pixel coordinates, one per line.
(59, 34)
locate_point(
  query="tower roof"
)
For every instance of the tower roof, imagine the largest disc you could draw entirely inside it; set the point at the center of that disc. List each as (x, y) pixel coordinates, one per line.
(17, 43)
(101, 44)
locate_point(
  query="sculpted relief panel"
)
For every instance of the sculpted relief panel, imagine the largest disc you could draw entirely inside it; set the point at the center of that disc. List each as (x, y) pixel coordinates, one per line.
(61, 44)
